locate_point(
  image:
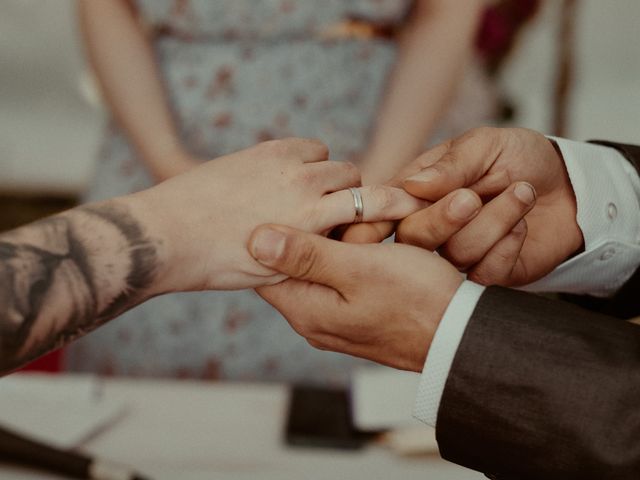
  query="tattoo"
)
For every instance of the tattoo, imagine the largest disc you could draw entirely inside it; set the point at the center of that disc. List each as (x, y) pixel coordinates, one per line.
(66, 275)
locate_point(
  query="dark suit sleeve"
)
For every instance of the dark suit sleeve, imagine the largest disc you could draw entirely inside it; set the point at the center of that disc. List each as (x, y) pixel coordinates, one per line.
(542, 389)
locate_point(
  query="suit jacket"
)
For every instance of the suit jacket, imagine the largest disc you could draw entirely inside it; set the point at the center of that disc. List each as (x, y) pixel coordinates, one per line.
(543, 389)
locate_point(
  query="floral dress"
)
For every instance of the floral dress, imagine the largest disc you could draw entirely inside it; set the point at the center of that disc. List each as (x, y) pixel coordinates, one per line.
(238, 72)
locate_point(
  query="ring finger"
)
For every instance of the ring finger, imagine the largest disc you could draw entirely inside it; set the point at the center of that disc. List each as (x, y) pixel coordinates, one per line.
(379, 203)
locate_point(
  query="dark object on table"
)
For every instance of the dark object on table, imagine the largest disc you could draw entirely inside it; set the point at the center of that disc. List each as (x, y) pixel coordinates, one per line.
(20, 450)
(320, 417)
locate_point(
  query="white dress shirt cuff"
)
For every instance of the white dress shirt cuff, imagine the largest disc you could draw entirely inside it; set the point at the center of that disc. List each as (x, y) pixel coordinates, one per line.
(443, 350)
(607, 190)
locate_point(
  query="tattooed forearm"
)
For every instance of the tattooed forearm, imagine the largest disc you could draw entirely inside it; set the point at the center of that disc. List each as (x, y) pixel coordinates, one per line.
(66, 275)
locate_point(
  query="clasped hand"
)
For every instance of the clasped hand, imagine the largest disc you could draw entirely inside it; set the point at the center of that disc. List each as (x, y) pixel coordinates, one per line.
(208, 213)
(501, 208)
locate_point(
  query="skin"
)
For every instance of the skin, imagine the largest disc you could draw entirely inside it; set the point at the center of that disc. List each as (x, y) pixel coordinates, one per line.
(122, 59)
(380, 302)
(434, 47)
(515, 238)
(60, 282)
(67, 275)
(491, 161)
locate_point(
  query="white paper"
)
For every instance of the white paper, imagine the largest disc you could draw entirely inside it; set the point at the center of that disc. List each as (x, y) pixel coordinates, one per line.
(62, 411)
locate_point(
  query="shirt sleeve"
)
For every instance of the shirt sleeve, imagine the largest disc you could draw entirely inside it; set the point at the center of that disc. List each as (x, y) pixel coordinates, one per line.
(443, 350)
(607, 190)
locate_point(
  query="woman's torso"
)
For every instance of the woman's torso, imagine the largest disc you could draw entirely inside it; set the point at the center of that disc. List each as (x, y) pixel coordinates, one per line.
(238, 72)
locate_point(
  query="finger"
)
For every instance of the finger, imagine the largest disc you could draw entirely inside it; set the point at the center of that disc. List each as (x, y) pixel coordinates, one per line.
(368, 232)
(432, 226)
(465, 161)
(380, 202)
(494, 221)
(498, 265)
(425, 160)
(301, 255)
(333, 176)
(306, 150)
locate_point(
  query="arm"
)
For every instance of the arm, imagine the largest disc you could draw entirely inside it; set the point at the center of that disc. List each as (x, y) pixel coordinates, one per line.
(537, 388)
(124, 64)
(66, 275)
(434, 49)
(542, 389)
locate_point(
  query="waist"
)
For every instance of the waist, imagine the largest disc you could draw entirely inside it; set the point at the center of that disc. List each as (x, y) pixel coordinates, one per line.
(348, 29)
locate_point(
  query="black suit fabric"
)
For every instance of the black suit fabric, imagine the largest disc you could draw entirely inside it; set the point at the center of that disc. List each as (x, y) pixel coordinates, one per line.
(543, 389)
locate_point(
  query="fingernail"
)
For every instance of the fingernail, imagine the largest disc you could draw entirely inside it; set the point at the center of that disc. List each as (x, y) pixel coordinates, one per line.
(426, 175)
(463, 205)
(268, 245)
(525, 193)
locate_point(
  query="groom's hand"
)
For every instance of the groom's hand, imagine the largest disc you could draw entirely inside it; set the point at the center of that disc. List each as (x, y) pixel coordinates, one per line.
(498, 247)
(520, 234)
(379, 302)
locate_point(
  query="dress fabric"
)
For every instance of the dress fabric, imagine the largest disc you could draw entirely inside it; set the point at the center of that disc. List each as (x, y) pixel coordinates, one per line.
(238, 72)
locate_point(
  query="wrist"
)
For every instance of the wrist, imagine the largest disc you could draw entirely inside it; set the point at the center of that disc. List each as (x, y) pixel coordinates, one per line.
(155, 222)
(574, 240)
(439, 306)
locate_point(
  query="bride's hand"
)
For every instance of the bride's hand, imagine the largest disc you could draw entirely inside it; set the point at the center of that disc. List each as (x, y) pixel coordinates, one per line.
(209, 212)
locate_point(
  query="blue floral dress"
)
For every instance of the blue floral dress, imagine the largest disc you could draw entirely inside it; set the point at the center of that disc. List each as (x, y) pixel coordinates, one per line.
(239, 72)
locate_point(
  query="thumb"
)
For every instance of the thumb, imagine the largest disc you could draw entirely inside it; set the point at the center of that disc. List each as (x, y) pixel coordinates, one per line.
(465, 161)
(300, 255)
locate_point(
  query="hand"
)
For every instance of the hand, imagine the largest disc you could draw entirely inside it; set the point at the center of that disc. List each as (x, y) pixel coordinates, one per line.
(379, 302)
(494, 163)
(209, 212)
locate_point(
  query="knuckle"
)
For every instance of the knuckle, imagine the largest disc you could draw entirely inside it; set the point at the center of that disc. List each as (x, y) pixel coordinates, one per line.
(307, 261)
(302, 328)
(323, 149)
(277, 148)
(305, 177)
(459, 255)
(483, 276)
(406, 232)
(505, 255)
(416, 231)
(317, 344)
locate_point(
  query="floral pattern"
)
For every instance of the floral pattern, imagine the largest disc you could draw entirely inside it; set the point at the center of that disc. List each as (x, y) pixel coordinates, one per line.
(240, 72)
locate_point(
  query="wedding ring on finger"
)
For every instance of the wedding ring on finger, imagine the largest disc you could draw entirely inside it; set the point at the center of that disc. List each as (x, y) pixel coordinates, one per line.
(359, 206)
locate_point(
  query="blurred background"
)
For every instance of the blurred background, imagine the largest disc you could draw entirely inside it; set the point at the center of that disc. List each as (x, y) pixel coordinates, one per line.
(568, 67)
(50, 128)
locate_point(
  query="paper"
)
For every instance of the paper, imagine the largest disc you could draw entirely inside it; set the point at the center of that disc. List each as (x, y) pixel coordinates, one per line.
(62, 411)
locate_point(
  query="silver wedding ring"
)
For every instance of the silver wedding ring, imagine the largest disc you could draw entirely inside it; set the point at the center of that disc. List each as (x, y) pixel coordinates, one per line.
(357, 203)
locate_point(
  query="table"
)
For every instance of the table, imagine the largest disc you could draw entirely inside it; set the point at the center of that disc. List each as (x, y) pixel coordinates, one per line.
(190, 430)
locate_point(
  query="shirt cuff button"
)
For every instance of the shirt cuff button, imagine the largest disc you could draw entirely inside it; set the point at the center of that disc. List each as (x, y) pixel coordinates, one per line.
(612, 211)
(607, 254)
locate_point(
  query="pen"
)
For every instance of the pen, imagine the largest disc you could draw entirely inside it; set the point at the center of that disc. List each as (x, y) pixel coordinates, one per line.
(16, 448)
